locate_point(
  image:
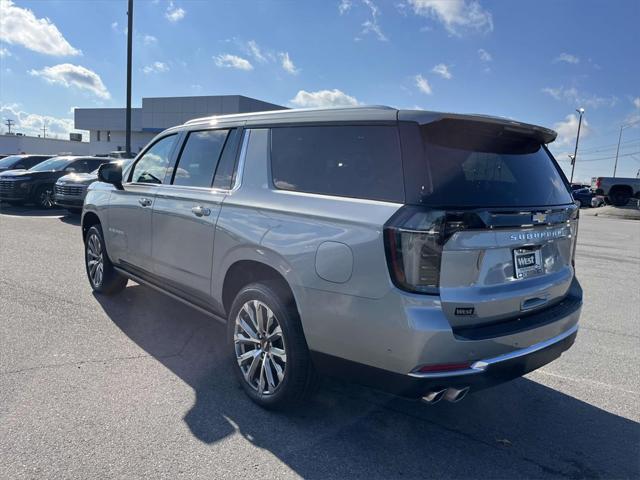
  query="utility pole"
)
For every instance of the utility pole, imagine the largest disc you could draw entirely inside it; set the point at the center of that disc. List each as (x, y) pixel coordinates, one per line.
(575, 153)
(9, 123)
(129, 43)
(44, 131)
(615, 165)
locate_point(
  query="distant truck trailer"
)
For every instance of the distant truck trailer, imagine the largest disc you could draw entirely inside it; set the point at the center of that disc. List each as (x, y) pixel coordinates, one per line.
(617, 190)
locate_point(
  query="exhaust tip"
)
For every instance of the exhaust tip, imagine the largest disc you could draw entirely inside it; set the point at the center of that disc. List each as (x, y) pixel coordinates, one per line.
(434, 396)
(454, 395)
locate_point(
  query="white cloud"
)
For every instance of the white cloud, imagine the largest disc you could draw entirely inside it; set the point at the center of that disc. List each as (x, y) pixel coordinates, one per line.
(344, 6)
(19, 26)
(76, 76)
(287, 64)
(114, 26)
(174, 13)
(371, 25)
(568, 130)
(455, 15)
(255, 51)
(4, 52)
(149, 40)
(636, 102)
(155, 67)
(423, 84)
(567, 58)
(442, 70)
(484, 55)
(572, 96)
(323, 98)
(227, 60)
(32, 123)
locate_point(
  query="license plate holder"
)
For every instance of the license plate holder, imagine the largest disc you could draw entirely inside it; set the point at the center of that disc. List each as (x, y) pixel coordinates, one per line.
(527, 262)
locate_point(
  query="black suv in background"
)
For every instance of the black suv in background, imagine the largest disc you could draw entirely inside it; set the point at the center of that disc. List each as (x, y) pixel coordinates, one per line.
(36, 184)
(21, 162)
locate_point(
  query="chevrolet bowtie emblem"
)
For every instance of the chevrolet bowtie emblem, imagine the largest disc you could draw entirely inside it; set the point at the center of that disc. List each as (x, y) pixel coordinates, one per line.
(539, 217)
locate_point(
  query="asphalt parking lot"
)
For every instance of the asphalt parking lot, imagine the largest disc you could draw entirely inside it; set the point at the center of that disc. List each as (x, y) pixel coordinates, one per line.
(137, 386)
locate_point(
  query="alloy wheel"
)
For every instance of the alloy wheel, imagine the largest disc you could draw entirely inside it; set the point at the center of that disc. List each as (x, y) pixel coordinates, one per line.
(95, 259)
(260, 347)
(46, 198)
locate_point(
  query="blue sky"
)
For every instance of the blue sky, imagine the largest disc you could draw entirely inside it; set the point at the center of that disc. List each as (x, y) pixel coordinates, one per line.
(534, 61)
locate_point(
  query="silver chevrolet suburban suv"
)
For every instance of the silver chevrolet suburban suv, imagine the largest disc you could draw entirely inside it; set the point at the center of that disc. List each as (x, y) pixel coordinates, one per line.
(427, 254)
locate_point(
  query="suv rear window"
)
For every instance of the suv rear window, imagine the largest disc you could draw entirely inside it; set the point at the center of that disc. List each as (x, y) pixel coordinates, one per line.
(473, 165)
(348, 161)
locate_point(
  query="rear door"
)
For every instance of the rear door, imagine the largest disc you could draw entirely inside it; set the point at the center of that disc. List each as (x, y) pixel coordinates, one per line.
(129, 217)
(186, 210)
(505, 222)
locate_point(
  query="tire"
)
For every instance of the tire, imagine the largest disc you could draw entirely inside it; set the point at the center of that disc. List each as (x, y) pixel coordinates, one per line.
(44, 197)
(619, 198)
(103, 278)
(278, 373)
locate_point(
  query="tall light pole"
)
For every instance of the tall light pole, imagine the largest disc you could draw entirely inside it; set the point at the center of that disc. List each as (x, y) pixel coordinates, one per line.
(575, 153)
(615, 165)
(129, 42)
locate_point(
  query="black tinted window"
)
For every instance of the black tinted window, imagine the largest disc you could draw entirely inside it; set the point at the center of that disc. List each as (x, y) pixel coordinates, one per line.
(226, 167)
(487, 167)
(152, 166)
(349, 161)
(199, 158)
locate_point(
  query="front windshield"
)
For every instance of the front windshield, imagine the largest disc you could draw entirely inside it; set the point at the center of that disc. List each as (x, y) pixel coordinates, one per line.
(56, 163)
(9, 161)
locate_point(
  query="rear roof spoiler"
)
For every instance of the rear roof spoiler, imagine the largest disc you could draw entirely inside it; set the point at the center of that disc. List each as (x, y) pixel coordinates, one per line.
(542, 134)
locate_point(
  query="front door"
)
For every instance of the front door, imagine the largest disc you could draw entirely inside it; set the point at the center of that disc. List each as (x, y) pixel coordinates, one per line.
(129, 229)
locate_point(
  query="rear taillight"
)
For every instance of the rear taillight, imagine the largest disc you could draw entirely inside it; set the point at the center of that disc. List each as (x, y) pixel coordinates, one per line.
(573, 225)
(598, 182)
(413, 240)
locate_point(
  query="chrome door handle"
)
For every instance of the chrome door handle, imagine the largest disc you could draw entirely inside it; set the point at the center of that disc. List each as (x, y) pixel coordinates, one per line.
(200, 211)
(144, 202)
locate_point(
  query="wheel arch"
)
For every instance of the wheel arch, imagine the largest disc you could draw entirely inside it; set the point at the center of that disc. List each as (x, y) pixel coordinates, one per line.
(246, 271)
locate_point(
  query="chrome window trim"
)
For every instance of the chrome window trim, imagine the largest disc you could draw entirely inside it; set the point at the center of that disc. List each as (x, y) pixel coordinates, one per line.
(481, 365)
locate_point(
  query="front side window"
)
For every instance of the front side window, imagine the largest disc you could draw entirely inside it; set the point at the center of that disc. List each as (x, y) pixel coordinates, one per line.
(199, 158)
(152, 166)
(349, 161)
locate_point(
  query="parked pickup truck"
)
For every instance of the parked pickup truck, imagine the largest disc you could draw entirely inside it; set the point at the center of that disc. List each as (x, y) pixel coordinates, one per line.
(618, 190)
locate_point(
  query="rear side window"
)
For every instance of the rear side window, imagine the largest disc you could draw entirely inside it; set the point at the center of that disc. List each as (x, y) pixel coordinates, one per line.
(225, 172)
(152, 166)
(472, 165)
(348, 161)
(199, 158)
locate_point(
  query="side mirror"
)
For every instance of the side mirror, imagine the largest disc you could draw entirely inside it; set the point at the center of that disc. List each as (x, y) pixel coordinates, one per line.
(111, 173)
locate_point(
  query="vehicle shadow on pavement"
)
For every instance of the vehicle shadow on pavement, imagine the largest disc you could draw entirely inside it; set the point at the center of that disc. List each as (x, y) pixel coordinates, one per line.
(520, 429)
(29, 211)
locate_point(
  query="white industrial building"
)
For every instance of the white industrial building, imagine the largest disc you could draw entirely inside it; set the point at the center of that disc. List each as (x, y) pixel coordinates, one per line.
(11, 144)
(107, 125)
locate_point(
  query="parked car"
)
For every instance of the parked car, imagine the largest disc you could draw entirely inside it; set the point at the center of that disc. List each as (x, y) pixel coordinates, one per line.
(70, 190)
(618, 190)
(583, 197)
(21, 162)
(428, 254)
(36, 184)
